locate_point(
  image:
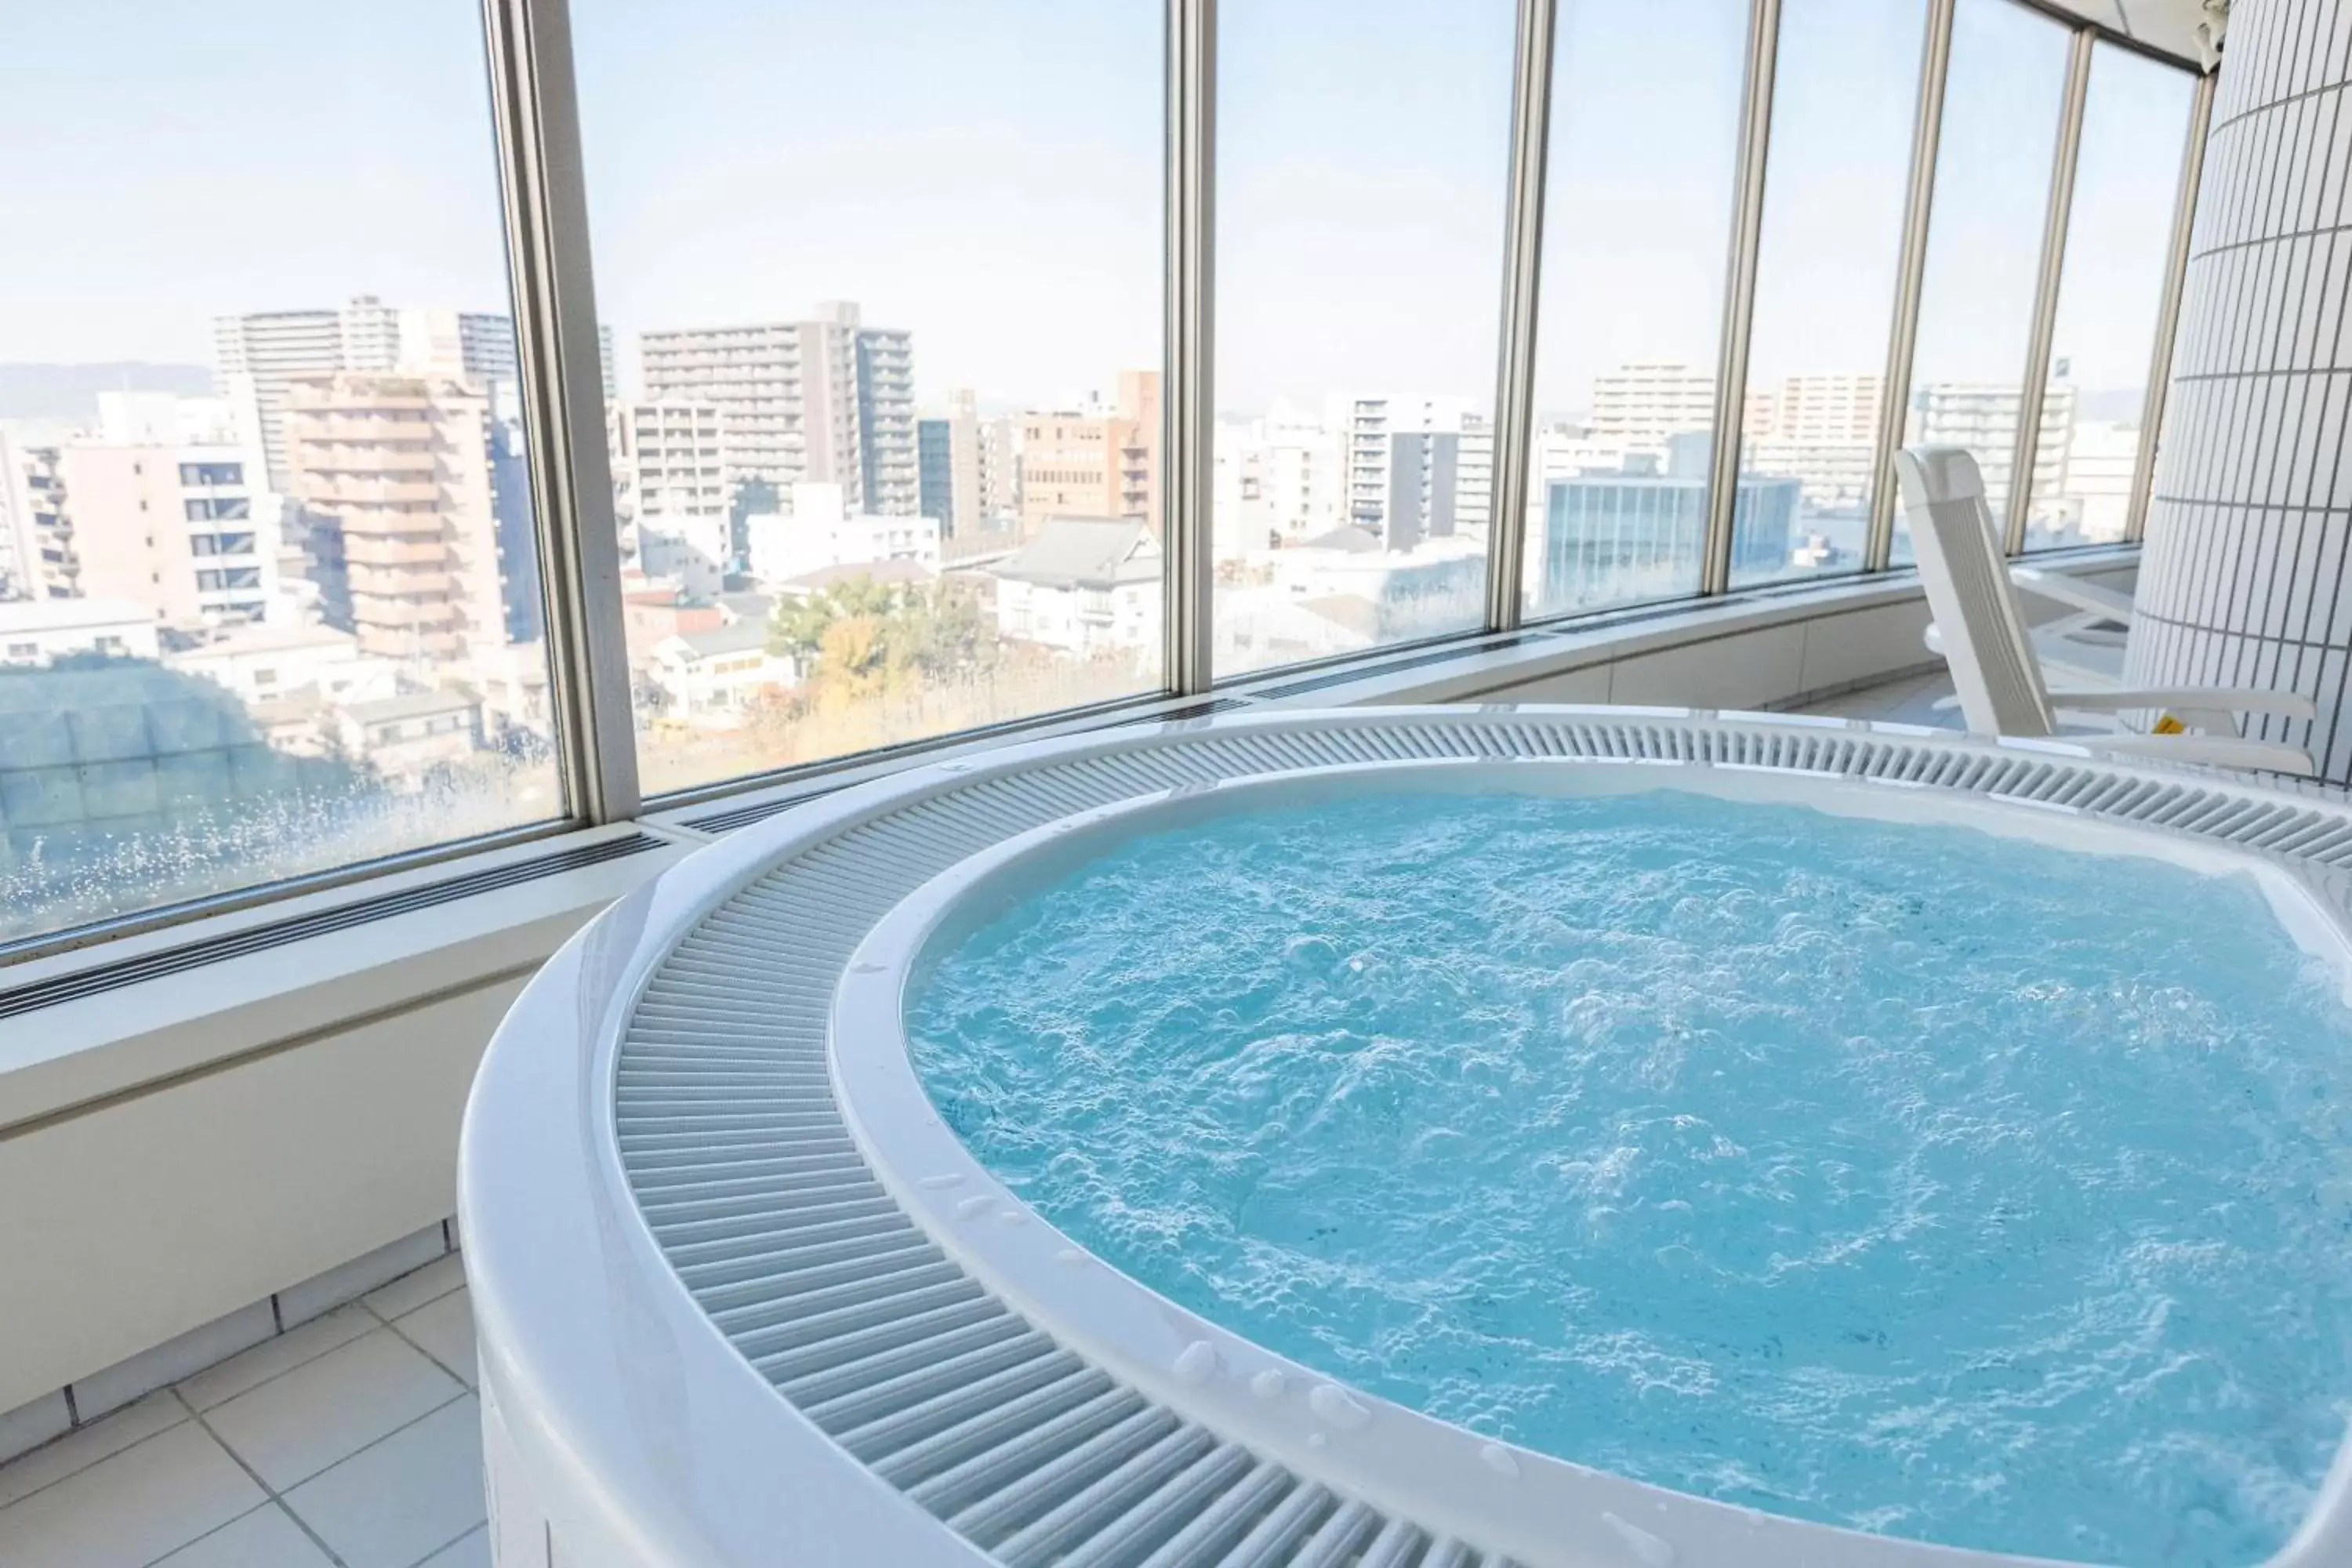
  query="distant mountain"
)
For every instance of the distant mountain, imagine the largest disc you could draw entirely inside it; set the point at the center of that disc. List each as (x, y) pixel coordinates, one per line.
(68, 393)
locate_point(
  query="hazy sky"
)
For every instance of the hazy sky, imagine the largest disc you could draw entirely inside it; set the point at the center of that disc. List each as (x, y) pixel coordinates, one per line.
(989, 176)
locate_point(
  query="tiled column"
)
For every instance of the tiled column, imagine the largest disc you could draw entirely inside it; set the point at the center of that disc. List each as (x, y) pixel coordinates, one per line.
(2247, 580)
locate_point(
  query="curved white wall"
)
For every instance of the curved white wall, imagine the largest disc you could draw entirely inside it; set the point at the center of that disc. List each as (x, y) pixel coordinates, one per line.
(2245, 580)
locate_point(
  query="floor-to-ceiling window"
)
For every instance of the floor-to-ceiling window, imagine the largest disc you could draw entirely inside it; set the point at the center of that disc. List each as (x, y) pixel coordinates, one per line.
(1644, 151)
(883, 301)
(2118, 240)
(1845, 92)
(270, 582)
(2004, 96)
(884, 288)
(1362, 152)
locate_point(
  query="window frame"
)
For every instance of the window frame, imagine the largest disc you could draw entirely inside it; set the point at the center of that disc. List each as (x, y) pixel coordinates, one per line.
(544, 201)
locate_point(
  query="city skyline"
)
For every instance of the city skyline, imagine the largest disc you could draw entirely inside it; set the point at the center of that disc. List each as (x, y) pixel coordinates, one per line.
(747, 210)
(882, 403)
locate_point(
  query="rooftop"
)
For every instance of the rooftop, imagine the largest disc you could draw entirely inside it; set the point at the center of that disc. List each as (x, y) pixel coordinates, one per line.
(732, 636)
(1084, 552)
(265, 638)
(71, 614)
(890, 572)
(412, 705)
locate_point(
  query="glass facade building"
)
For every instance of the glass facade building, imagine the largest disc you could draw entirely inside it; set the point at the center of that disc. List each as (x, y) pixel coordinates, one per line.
(1608, 537)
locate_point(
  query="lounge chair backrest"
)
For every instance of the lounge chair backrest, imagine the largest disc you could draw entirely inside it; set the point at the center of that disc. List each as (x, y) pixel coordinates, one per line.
(1977, 612)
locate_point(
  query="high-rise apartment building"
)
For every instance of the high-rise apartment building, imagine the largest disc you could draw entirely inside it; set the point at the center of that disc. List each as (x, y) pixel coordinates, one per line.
(36, 548)
(826, 401)
(184, 528)
(889, 478)
(1823, 429)
(1100, 460)
(1417, 468)
(982, 477)
(668, 461)
(1826, 410)
(1647, 404)
(1982, 418)
(257, 356)
(400, 468)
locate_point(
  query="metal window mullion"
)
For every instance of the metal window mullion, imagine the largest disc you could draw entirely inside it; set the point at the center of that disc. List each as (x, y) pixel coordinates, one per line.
(2059, 213)
(1189, 408)
(2167, 320)
(1515, 375)
(1911, 269)
(537, 113)
(1739, 295)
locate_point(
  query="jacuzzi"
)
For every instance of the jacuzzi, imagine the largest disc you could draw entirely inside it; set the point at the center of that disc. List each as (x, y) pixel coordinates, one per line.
(743, 1297)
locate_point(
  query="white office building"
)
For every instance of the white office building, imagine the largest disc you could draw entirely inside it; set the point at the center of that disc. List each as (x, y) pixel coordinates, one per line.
(668, 461)
(39, 631)
(821, 533)
(1982, 417)
(692, 550)
(1279, 479)
(2100, 461)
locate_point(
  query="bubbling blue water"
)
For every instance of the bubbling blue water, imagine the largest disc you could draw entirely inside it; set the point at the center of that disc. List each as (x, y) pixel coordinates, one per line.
(1907, 1178)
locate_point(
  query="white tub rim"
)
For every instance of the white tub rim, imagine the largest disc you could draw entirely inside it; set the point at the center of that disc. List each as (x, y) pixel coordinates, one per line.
(1539, 1509)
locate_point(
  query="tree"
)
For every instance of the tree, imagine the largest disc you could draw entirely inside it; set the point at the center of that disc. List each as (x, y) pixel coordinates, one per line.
(861, 637)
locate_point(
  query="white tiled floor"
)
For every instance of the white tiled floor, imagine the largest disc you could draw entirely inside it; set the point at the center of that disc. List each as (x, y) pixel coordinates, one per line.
(1897, 701)
(354, 1439)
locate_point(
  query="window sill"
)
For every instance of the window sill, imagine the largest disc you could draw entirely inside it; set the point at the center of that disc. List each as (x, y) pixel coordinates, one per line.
(94, 1050)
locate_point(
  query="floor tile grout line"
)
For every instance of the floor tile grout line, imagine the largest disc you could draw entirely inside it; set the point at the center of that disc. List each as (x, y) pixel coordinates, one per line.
(474, 1528)
(463, 1393)
(278, 1330)
(279, 1497)
(190, 1412)
(369, 1303)
(267, 1502)
(393, 1325)
(282, 1371)
(236, 1458)
(173, 1425)
(360, 1301)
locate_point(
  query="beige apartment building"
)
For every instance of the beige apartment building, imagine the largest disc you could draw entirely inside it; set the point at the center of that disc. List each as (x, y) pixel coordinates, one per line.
(176, 527)
(399, 466)
(1821, 429)
(1099, 462)
(1817, 410)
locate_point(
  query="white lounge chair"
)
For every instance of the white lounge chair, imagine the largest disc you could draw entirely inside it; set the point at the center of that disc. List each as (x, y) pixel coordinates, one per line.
(2083, 650)
(1989, 647)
